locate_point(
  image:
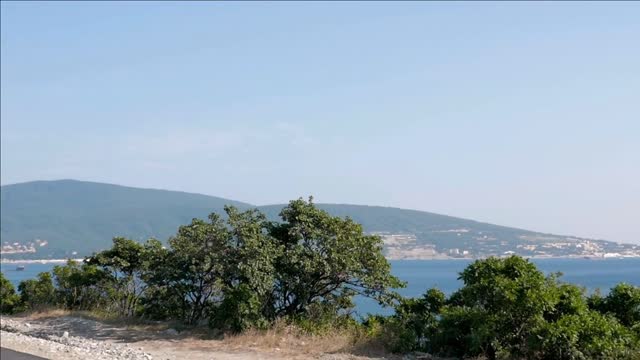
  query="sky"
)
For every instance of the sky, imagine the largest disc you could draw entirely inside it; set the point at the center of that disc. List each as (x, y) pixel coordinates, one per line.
(521, 114)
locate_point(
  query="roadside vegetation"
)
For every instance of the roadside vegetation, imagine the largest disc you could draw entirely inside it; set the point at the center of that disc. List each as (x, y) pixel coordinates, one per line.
(242, 273)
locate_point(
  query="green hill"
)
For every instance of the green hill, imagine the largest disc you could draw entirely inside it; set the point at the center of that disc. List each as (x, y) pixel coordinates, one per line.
(83, 217)
(395, 220)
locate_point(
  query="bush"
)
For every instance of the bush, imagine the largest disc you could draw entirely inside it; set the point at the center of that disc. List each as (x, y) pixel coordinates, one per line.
(586, 335)
(462, 332)
(37, 294)
(508, 309)
(80, 287)
(623, 302)
(414, 324)
(241, 309)
(9, 300)
(508, 298)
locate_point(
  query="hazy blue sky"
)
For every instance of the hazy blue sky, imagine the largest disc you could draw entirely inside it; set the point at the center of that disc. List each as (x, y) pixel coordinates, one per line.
(521, 114)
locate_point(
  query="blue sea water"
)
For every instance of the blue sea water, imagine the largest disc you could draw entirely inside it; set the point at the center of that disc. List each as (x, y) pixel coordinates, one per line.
(30, 271)
(421, 275)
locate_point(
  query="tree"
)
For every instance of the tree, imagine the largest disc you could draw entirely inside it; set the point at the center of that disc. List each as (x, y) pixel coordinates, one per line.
(188, 276)
(307, 266)
(125, 262)
(568, 300)
(37, 294)
(623, 302)
(248, 272)
(81, 286)
(511, 295)
(9, 300)
(326, 260)
(415, 322)
(508, 309)
(585, 335)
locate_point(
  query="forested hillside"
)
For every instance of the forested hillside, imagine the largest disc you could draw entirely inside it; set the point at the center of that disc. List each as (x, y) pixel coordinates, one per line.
(84, 216)
(69, 216)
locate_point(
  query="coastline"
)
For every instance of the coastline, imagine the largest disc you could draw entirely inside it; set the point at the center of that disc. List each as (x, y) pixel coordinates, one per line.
(581, 257)
(62, 261)
(36, 261)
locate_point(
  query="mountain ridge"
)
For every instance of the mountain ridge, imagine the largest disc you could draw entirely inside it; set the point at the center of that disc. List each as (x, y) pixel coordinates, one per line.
(82, 216)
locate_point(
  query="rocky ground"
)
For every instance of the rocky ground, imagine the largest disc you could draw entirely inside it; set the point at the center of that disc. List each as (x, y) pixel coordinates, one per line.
(36, 340)
(75, 338)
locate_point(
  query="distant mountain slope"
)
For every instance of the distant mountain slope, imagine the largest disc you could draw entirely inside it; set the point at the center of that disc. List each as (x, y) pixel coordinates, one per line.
(420, 234)
(82, 216)
(395, 220)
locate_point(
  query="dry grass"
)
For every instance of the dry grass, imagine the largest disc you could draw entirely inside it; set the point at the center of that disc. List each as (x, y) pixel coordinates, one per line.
(45, 313)
(288, 339)
(283, 340)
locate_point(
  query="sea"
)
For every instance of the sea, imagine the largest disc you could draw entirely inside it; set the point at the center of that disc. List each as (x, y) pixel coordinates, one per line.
(421, 275)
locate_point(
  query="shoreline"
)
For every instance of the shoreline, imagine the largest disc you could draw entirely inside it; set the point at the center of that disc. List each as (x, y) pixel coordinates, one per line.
(63, 261)
(534, 257)
(37, 261)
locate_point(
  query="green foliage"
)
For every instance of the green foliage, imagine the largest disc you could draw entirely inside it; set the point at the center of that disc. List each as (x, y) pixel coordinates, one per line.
(414, 324)
(508, 309)
(9, 300)
(623, 302)
(81, 286)
(459, 332)
(189, 275)
(510, 297)
(249, 274)
(305, 268)
(240, 309)
(568, 299)
(124, 264)
(326, 259)
(586, 335)
(37, 294)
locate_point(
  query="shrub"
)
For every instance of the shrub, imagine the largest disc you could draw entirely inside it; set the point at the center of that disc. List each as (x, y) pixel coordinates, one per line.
(240, 310)
(585, 335)
(37, 294)
(414, 324)
(506, 299)
(508, 309)
(623, 302)
(80, 286)
(124, 266)
(9, 300)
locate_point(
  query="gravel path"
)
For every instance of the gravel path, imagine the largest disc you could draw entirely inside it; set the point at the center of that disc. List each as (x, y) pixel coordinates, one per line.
(24, 337)
(75, 338)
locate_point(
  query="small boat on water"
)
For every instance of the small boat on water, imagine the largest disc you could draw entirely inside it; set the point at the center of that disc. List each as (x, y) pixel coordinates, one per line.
(20, 268)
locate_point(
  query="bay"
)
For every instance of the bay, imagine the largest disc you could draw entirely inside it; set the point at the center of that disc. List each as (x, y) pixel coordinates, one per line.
(421, 275)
